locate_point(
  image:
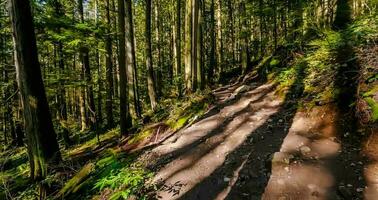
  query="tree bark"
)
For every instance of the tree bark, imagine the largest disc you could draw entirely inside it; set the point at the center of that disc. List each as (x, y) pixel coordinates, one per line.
(150, 71)
(86, 71)
(43, 147)
(177, 45)
(125, 119)
(213, 44)
(188, 46)
(131, 61)
(109, 70)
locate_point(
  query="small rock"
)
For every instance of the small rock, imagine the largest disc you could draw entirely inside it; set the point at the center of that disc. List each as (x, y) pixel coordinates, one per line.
(270, 120)
(346, 134)
(305, 150)
(352, 164)
(349, 185)
(344, 192)
(226, 179)
(360, 189)
(280, 120)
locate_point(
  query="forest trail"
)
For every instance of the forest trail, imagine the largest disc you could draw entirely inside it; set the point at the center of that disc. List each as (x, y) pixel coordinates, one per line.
(256, 144)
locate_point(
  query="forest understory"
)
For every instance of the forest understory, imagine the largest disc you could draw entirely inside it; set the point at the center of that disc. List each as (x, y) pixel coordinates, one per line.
(283, 107)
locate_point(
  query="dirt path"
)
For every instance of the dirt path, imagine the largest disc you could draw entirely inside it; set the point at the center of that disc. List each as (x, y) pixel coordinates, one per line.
(257, 145)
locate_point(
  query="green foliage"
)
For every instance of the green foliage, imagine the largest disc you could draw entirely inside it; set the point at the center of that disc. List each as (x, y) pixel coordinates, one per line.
(374, 108)
(364, 30)
(124, 182)
(274, 62)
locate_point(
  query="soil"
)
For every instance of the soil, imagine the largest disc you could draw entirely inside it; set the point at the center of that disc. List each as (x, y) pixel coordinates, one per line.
(254, 144)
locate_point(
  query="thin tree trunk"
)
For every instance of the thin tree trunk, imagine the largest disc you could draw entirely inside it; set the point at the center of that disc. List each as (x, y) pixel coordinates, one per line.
(188, 46)
(213, 44)
(159, 64)
(194, 42)
(219, 40)
(150, 71)
(200, 76)
(86, 70)
(109, 70)
(177, 45)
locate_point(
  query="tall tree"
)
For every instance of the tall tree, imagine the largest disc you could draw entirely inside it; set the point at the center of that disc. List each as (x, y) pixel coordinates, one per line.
(188, 45)
(131, 61)
(43, 147)
(125, 119)
(177, 45)
(194, 54)
(244, 37)
(150, 72)
(219, 39)
(109, 69)
(213, 62)
(199, 40)
(86, 70)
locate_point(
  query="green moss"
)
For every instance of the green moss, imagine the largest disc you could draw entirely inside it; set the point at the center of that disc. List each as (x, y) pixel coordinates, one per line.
(180, 122)
(374, 108)
(274, 62)
(73, 185)
(371, 92)
(91, 144)
(141, 136)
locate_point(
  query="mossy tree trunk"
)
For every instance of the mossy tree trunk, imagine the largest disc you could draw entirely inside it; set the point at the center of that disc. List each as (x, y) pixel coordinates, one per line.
(43, 147)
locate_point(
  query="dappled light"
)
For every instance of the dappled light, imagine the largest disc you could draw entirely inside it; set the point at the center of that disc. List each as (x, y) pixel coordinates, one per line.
(189, 100)
(207, 156)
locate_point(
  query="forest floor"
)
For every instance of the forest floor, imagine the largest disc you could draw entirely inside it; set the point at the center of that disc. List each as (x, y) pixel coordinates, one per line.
(259, 145)
(295, 136)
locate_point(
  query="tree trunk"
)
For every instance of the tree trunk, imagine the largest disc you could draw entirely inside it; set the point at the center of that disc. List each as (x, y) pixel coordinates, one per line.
(86, 70)
(219, 39)
(131, 62)
(244, 36)
(199, 41)
(109, 70)
(213, 44)
(177, 45)
(43, 147)
(159, 64)
(195, 9)
(125, 119)
(188, 46)
(150, 71)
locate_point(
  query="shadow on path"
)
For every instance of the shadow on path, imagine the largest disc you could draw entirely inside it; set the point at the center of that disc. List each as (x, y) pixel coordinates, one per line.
(246, 170)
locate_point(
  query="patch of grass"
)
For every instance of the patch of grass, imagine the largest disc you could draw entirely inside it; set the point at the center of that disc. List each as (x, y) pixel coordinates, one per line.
(124, 182)
(91, 144)
(364, 30)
